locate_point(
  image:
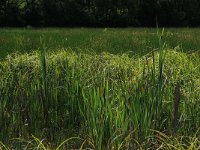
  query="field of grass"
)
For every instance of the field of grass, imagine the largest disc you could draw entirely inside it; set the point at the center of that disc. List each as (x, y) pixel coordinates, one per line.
(115, 41)
(100, 89)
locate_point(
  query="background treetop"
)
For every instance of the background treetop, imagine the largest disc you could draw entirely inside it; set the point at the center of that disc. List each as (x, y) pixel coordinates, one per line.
(97, 13)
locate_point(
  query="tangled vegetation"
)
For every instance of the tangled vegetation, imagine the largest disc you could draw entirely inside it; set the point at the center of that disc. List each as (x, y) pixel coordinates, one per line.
(100, 101)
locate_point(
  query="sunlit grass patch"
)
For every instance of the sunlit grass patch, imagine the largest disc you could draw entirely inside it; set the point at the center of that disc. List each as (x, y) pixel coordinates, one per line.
(109, 101)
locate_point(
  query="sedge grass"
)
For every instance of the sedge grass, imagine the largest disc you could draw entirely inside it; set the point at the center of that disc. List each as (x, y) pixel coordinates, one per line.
(112, 101)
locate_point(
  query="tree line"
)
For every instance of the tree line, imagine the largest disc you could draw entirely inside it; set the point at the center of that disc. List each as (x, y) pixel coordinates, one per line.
(97, 13)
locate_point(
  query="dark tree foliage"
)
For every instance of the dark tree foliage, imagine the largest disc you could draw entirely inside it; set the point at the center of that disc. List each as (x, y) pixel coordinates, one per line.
(113, 13)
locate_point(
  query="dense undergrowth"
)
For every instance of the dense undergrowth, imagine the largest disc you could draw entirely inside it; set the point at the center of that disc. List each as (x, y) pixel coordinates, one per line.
(107, 101)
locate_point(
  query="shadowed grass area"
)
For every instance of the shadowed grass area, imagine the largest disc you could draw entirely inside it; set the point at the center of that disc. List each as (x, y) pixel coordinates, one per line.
(138, 41)
(109, 101)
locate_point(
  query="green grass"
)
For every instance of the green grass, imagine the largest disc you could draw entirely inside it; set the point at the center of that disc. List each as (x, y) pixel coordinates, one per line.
(76, 99)
(134, 40)
(105, 97)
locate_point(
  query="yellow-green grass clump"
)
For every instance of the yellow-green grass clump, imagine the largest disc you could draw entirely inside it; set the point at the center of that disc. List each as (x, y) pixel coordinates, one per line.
(109, 101)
